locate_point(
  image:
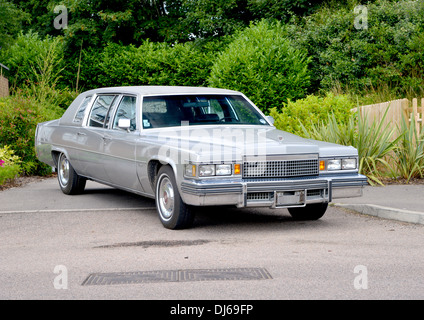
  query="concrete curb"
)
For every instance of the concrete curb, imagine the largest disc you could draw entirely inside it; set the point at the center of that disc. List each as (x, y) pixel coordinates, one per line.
(385, 212)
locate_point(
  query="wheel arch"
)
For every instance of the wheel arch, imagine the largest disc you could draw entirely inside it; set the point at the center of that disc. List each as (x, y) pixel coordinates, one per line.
(154, 166)
(56, 153)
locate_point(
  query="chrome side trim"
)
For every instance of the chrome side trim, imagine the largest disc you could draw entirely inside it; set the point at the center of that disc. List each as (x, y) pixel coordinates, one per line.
(210, 188)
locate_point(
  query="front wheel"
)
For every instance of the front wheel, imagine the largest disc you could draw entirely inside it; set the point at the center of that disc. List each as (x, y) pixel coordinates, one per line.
(69, 181)
(173, 212)
(309, 212)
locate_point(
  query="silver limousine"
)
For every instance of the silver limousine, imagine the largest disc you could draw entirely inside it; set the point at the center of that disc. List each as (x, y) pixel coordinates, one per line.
(188, 147)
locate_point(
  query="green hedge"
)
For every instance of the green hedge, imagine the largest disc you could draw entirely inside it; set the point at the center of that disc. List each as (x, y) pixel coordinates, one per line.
(262, 63)
(27, 56)
(149, 64)
(312, 110)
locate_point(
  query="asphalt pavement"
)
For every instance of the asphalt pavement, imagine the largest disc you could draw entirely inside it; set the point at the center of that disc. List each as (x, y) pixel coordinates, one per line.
(396, 202)
(45, 196)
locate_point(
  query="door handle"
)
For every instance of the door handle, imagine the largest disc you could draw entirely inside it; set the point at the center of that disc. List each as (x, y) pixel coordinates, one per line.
(106, 138)
(81, 134)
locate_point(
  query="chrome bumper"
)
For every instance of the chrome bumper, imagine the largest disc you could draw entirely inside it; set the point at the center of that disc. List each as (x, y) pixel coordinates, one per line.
(273, 193)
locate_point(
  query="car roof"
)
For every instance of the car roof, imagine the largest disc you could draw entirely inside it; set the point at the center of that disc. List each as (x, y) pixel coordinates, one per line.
(162, 90)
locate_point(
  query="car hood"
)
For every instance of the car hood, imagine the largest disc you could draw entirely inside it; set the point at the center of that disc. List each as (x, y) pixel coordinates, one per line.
(203, 143)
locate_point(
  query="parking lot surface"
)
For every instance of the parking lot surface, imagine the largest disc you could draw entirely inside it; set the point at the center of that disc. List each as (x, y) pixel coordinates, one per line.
(109, 244)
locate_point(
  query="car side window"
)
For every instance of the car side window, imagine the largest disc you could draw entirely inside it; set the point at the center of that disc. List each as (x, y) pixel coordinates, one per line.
(79, 116)
(126, 110)
(100, 109)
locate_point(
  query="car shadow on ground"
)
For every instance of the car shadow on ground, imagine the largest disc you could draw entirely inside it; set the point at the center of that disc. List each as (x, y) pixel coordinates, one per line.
(228, 215)
(204, 216)
(118, 197)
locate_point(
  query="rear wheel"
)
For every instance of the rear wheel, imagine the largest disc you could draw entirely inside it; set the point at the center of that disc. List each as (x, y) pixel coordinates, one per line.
(173, 212)
(69, 181)
(310, 212)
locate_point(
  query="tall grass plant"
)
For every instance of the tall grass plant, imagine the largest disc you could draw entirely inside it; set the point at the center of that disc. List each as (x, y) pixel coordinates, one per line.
(409, 155)
(375, 142)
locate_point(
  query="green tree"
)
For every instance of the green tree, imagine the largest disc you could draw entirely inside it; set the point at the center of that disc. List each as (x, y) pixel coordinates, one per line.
(100, 22)
(388, 52)
(133, 21)
(11, 19)
(283, 10)
(127, 22)
(215, 18)
(263, 63)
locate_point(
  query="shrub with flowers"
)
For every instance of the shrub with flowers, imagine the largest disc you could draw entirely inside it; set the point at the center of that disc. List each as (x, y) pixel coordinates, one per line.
(10, 167)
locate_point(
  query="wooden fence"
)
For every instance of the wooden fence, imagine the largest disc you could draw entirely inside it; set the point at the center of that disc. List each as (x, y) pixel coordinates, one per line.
(396, 109)
(4, 86)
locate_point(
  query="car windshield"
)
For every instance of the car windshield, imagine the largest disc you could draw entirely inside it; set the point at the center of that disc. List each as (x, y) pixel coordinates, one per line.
(170, 111)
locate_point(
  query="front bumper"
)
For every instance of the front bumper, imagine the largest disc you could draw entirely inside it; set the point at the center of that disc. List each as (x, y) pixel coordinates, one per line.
(274, 193)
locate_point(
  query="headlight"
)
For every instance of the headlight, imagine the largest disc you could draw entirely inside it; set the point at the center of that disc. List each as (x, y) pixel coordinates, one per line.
(206, 170)
(349, 164)
(334, 164)
(223, 169)
(210, 170)
(338, 164)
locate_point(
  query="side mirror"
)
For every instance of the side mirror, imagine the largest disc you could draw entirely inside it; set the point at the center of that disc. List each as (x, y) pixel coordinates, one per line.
(270, 119)
(124, 124)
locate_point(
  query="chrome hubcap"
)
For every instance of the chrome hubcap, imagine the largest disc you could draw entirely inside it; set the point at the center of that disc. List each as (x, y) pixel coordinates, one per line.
(166, 198)
(64, 171)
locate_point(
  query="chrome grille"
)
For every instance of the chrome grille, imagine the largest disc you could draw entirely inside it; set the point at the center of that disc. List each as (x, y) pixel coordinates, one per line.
(258, 196)
(280, 168)
(312, 193)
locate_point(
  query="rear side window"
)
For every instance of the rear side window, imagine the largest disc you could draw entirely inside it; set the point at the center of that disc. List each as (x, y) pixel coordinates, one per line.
(100, 111)
(81, 111)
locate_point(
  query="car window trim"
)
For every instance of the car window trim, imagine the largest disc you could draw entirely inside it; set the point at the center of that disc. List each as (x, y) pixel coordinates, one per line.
(112, 109)
(254, 107)
(121, 97)
(87, 123)
(88, 107)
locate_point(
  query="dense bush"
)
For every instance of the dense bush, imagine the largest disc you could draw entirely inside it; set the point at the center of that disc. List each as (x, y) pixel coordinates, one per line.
(18, 120)
(29, 57)
(312, 110)
(389, 52)
(153, 64)
(83, 69)
(36, 69)
(262, 63)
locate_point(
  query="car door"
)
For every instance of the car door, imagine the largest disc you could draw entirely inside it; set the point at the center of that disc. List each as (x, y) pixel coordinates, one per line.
(93, 137)
(73, 138)
(120, 144)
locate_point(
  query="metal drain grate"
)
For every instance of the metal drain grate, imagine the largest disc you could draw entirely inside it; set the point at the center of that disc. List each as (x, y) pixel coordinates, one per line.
(177, 276)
